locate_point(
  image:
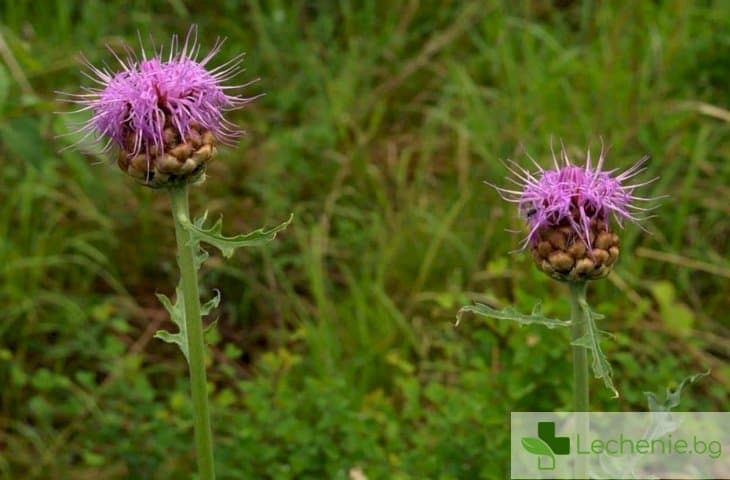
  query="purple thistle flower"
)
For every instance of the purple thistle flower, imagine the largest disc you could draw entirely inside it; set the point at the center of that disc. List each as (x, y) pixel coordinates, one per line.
(575, 195)
(153, 104)
(568, 210)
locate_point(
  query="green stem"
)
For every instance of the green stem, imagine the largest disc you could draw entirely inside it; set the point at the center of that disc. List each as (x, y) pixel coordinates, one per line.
(194, 325)
(580, 354)
(580, 371)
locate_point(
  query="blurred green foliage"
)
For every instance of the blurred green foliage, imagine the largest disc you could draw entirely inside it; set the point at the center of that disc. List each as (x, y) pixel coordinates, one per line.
(335, 350)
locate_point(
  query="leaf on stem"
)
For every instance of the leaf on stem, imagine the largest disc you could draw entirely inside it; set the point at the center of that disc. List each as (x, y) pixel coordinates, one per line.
(509, 313)
(673, 396)
(177, 315)
(227, 245)
(592, 342)
(211, 304)
(200, 257)
(662, 423)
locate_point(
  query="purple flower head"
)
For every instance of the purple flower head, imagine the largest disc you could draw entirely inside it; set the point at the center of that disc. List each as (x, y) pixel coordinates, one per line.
(575, 196)
(132, 107)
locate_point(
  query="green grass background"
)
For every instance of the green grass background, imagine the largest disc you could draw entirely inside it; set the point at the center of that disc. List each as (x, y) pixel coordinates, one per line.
(335, 351)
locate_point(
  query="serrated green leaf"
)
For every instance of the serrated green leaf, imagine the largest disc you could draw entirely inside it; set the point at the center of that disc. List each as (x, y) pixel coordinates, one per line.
(591, 341)
(509, 313)
(663, 423)
(537, 446)
(227, 245)
(673, 396)
(177, 315)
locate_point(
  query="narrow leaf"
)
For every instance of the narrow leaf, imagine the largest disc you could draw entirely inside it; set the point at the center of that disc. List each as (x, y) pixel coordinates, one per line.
(510, 313)
(227, 245)
(166, 336)
(592, 342)
(165, 301)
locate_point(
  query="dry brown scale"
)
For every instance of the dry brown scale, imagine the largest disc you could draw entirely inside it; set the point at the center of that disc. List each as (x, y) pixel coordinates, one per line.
(560, 253)
(181, 162)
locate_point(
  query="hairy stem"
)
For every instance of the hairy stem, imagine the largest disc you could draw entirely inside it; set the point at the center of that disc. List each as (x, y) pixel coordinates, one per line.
(194, 324)
(580, 370)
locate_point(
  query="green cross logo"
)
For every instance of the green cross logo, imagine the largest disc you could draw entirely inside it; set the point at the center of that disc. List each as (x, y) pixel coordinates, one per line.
(546, 445)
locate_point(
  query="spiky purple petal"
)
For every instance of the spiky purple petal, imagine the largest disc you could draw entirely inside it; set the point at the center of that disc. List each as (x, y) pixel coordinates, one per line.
(573, 195)
(147, 92)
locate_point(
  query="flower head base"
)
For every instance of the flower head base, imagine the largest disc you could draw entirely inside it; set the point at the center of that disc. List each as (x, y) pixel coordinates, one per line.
(568, 210)
(165, 114)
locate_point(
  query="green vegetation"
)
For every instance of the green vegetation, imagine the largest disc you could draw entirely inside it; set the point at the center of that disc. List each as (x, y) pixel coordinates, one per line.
(335, 349)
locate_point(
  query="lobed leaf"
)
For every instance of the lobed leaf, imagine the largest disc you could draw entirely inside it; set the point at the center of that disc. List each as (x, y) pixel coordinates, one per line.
(592, 342)
(509, 313)
(673, 396)
(663, 423)
(177, 315)
(227, 245)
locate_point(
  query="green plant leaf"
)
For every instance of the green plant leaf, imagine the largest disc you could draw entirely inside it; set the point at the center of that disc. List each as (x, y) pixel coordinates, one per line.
(509, 313)
(592, 342)
(227, 245)
(177, 315)
(663, 423)
(673, 396)
(211, 304)
(200, 257)
(537, 446)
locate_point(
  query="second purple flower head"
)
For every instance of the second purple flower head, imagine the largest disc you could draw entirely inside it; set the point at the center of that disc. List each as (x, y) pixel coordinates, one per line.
(569, 210)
